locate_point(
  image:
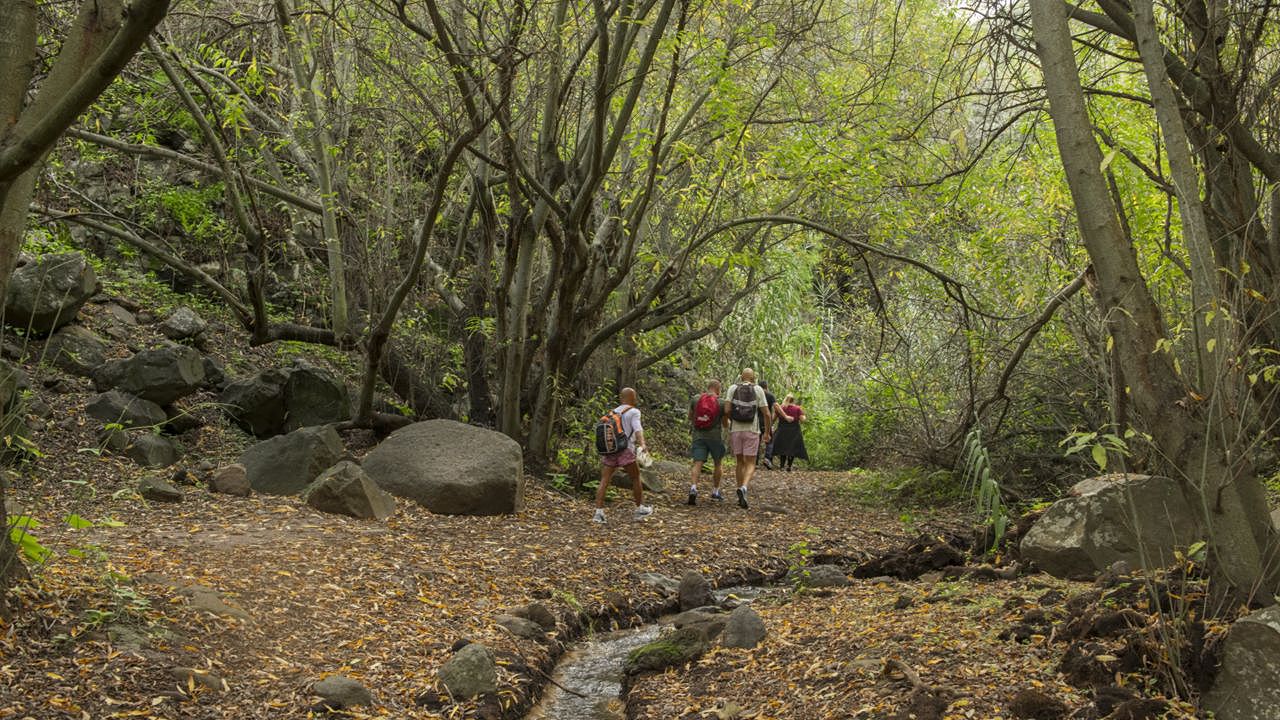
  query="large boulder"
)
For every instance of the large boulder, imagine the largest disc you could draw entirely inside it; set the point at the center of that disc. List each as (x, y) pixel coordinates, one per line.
(161, 375)
(345, 489)
(280, 400)
(1248, 682)
(77, 350)
(117, 408)
(450, 468)
(287, 464)
(46, 293)
(1139, 519)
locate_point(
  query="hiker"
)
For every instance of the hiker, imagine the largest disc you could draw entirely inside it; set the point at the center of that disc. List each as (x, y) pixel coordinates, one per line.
(745, 400)
(623, 428)
(772, 404)
(788, 442)
(706, 418)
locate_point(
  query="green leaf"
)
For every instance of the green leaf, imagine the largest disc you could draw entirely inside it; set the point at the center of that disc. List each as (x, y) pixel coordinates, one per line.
(1100, 456)
(77, 522)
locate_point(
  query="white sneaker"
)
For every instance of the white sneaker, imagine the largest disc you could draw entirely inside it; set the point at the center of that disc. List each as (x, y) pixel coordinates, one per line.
(643, 511)
(599, 516)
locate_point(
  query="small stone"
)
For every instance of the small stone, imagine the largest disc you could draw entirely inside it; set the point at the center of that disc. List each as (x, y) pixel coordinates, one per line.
(695, 591)
(538, 613)
(210, 601)
(521, 627)
(231, 480)
(152, 451)
(664, 584)
(117, 408)
(470, 672)
(183, 324)
(121, 315)
(188, 677)
(670, 650)
(1031, 704)
(819, 576)
(903, 602)
(745, 629)
(158, 490)
(339, 693)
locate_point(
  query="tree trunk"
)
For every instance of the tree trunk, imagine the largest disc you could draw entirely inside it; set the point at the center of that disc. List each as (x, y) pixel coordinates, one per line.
(1215, 477)
(99, 43)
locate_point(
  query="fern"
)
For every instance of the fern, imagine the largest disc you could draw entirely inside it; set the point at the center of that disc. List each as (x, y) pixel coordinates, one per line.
(980, 483)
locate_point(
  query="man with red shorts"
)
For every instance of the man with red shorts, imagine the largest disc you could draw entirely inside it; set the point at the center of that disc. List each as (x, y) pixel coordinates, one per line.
(625, 459)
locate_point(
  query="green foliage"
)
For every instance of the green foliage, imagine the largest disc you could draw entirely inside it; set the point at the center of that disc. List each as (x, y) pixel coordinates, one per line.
(980, 482)
(911, 487)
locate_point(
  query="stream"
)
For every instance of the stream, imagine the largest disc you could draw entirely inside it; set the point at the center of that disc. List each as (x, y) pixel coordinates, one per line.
(594, 669)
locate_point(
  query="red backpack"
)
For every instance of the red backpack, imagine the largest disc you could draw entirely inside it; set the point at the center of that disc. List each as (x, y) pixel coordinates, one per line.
(706, 412)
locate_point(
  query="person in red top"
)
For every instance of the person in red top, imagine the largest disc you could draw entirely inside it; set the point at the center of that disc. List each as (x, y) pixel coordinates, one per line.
(788, 442)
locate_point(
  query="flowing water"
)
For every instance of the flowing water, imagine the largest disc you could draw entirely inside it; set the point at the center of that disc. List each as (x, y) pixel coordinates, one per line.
(593, 671)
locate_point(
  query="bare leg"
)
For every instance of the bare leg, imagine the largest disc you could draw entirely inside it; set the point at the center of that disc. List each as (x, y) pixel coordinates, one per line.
(637, 487)
(697, 472)
(606, 474)
(748, 472)
(740, 465)
(715, 477)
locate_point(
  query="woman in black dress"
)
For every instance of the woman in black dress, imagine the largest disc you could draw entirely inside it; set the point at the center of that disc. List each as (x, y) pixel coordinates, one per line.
(788, 440)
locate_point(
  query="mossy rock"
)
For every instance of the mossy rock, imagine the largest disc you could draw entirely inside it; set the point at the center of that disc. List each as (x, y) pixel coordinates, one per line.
(670, 650)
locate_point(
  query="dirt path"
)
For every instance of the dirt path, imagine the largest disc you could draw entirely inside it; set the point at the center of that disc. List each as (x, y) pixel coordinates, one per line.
(382, 603)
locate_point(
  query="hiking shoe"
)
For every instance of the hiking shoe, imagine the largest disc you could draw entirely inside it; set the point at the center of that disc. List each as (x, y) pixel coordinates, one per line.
(643, 511)
(742, 498)
(693, 497)
(768, 464)
(598, 517)
(715, 495)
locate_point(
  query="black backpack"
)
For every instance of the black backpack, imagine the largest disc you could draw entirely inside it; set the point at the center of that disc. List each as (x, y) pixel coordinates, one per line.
(742, 406)
(610, 437)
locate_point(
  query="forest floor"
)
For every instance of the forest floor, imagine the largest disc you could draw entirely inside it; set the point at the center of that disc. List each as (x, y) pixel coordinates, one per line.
(313, 594)
(226, 607)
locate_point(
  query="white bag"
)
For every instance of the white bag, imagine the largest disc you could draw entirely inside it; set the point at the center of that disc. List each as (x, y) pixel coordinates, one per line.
(643, 458)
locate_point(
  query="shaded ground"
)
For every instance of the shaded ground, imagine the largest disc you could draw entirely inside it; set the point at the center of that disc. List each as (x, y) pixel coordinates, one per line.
(326, 594)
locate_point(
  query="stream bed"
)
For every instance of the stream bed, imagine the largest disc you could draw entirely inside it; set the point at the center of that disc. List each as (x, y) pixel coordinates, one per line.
(593, 670)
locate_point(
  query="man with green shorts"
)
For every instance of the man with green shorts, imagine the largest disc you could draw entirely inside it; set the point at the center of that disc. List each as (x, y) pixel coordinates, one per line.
(706, 418)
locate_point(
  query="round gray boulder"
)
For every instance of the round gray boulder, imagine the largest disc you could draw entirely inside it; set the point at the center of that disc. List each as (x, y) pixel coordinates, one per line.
(46, 293)
(450, 468)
